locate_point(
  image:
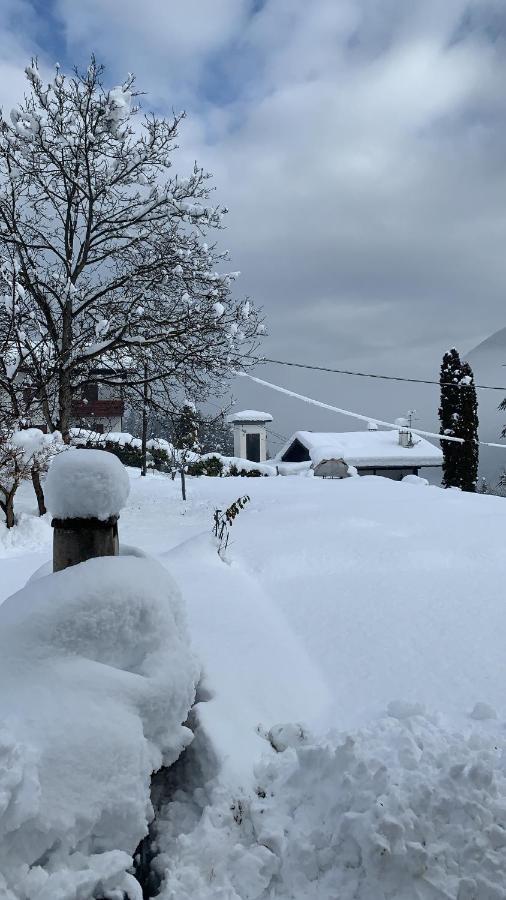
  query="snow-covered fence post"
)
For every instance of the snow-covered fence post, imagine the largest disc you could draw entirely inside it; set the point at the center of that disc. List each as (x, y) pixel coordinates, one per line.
(85, 490)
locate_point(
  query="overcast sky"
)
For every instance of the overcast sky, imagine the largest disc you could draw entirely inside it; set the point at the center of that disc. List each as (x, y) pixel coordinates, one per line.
(360, 147)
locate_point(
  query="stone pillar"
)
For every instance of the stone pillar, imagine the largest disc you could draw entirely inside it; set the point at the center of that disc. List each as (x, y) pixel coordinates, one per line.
(76, 540)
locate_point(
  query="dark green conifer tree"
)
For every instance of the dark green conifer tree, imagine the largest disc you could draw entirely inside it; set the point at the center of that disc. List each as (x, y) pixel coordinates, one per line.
(449, 412)
(458, 416)
(468, 429)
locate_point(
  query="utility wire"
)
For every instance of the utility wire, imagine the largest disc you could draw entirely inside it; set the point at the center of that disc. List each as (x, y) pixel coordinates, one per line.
(354, 415)
(284, 362)
(281, 437)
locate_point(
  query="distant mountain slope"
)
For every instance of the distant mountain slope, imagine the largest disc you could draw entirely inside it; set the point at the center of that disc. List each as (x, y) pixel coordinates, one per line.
(488, 361)
(489, 357)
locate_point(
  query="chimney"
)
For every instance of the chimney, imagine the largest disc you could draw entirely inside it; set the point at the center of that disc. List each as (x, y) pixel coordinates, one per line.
(404, 432)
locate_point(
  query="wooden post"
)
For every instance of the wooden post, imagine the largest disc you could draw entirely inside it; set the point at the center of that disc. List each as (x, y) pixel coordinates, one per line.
(85, 490)
(76, 540)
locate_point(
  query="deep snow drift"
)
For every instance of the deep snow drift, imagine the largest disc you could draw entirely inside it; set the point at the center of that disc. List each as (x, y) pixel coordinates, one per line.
(97, 677)
(404, 809)
(370, 615)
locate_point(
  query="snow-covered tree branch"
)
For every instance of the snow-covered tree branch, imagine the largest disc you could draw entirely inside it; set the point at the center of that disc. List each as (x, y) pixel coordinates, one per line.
(103, 248)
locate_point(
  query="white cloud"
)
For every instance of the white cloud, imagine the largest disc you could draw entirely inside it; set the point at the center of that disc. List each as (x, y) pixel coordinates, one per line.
(165, 42)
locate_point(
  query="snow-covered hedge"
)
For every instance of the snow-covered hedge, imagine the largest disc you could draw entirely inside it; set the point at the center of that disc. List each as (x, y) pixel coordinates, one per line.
(97, 677)
(128, 448)
(214, 464)
(235, 465)
(165, 455)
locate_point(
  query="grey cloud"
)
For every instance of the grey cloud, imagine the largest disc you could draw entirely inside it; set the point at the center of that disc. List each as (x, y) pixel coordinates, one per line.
(361, 149)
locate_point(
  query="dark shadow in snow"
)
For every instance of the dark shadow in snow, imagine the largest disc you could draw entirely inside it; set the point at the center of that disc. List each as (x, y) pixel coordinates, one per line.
(194, 768)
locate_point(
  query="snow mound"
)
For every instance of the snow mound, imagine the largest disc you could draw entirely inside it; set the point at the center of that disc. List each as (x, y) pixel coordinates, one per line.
(86, 484)
(404, 809)
(30, 533)
(415, 479)
(97, 677)
(482, 711)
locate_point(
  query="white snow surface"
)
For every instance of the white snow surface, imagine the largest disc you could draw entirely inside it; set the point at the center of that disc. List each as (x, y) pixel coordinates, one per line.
(86, 484)
(364, 638)
(366, 448)
(97, 677)
(249, 415)
(404, 810)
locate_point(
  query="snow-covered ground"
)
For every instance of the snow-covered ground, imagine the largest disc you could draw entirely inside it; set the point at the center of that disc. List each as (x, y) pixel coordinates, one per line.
(352, 739)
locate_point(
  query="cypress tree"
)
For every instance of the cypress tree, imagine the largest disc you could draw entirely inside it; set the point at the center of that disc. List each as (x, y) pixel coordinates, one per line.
(468, 429)
(449, 414)
(458, 415)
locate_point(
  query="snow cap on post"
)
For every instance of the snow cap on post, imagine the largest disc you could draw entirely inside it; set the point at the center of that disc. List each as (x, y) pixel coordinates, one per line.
(86, 484)
(85, 490)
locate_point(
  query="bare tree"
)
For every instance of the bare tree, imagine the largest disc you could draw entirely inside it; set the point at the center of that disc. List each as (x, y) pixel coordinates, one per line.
(23, 451)
(103, 248)
(13, 470)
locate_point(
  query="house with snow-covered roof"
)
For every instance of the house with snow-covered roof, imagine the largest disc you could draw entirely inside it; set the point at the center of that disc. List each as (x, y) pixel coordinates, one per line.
(392, 454)
(99, 406)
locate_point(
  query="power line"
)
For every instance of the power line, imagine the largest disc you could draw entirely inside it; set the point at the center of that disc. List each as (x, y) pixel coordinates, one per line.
(354, 415)
(284, 362)
(281, 437)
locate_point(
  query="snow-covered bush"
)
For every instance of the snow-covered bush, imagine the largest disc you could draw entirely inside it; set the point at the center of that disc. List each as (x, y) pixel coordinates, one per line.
(245, 471)
(211, 465)
(97, 677)
(24, 453)
(45, 449)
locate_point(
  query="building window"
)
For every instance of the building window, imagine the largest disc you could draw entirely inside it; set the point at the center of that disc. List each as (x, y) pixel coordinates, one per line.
(90, 392)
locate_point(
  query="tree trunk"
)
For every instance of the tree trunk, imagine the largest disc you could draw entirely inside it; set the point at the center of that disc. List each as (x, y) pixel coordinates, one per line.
(39, 493)
(7, 506)
(65, 385)
(145, 423)
(183, 484)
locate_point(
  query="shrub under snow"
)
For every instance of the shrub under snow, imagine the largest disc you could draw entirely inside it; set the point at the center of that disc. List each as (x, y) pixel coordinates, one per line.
(97, 677)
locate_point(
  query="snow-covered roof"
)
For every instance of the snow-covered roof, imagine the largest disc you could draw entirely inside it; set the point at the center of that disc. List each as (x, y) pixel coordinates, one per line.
(249, 415)
(366, 448)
